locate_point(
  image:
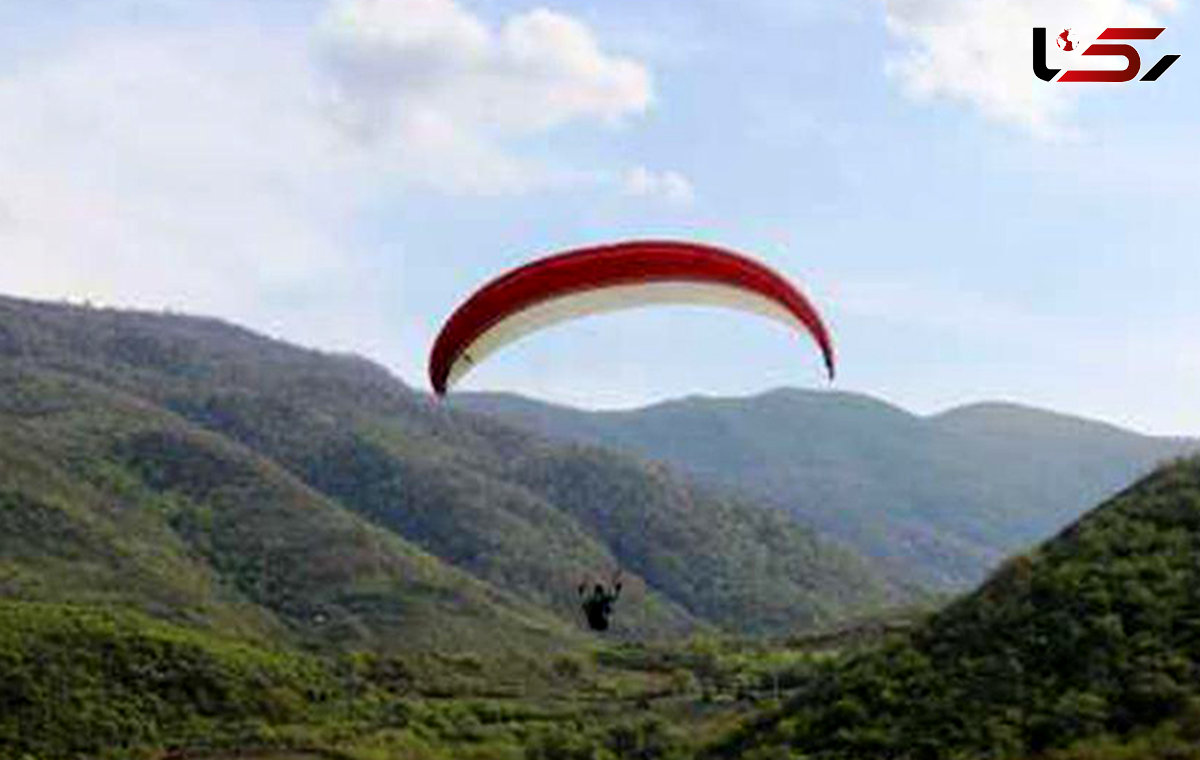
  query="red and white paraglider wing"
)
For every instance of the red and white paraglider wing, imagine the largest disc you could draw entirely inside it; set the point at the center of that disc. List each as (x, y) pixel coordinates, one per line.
(612, 278)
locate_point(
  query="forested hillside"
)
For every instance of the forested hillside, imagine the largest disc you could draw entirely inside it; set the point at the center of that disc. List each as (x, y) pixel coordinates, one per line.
(940, 500)
(1093, 637)
(213, 541)
(105, 499)
(252, 482)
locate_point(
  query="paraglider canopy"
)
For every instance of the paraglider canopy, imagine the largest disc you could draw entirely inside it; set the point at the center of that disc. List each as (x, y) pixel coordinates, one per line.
(609, 278)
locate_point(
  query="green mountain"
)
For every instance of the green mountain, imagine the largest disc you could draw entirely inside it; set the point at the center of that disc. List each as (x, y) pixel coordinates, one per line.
(111, 683)
(107, 499)
(939, 499)
(1093, 637)
(210, 476)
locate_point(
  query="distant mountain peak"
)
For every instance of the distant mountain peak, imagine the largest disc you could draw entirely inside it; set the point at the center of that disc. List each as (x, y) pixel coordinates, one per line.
(1016, 418)
(939, 498)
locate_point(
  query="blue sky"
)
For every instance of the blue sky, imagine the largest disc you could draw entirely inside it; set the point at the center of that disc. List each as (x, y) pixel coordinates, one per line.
(340, 173)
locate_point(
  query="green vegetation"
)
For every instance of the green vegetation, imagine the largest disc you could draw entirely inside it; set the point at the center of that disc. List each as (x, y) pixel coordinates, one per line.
(106, 499)
(215, 544)
(938, 500)
(1096, 634)
(214, 541)
(321, 488)
(80, 681)
(87, 682)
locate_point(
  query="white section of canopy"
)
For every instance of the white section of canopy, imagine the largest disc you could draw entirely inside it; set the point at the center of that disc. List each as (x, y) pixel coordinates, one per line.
(617, 298)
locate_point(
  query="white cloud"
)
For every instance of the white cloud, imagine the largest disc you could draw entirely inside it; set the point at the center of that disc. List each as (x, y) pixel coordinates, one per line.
(421, 73)
(198, 169)
(978, 52)
(146, 169)
(670, 186)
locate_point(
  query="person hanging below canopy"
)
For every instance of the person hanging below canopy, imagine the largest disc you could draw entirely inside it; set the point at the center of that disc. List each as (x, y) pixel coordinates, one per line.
(577, 283)
(598, 604)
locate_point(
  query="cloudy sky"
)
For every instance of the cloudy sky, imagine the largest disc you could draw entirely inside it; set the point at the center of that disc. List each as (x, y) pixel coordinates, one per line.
(341, 173)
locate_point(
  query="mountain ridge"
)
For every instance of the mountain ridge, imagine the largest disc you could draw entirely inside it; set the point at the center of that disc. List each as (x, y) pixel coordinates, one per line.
(493, 504)
(939, 498)
(1094, 635)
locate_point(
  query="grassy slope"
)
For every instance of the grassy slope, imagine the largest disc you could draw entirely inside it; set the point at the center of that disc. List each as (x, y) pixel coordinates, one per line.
(940, 499)
(1095, 633)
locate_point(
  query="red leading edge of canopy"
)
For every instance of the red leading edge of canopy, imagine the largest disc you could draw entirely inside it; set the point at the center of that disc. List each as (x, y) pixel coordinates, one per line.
(628, 263)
